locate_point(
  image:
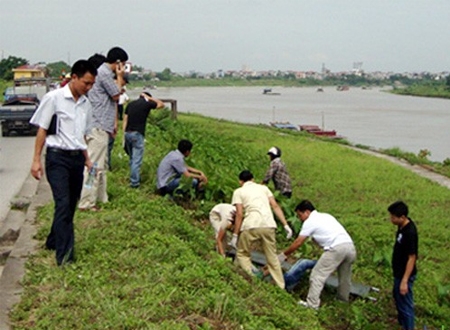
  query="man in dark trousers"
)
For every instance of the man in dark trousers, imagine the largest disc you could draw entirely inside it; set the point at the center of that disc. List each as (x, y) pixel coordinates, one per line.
(64, 118)
(406, 249)
(134, 123)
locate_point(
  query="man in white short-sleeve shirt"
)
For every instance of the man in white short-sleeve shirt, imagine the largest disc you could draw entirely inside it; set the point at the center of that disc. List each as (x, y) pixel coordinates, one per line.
(339, 252)
(64, 118)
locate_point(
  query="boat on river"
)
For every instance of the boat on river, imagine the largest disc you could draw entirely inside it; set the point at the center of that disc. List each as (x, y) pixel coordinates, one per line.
(316, 130)
(312, 129)
(268, 91)
(284, 125)
(342, 88)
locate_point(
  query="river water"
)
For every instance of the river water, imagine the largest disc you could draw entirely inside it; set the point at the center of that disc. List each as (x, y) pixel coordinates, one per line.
(371, 117)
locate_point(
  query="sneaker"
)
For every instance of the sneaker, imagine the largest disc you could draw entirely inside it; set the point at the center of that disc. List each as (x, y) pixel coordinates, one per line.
(305, 304)
(90, 209)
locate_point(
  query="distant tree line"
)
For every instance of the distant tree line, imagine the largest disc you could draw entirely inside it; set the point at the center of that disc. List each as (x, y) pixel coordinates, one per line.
(57, 69)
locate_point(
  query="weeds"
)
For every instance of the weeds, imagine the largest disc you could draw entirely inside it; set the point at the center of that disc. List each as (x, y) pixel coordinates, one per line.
(145, 262)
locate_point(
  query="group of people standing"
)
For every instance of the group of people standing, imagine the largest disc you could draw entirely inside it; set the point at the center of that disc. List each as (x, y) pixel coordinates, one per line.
(76, 123)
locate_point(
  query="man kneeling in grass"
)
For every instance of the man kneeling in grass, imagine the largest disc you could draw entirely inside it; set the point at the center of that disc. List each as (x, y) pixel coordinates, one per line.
(173, 166)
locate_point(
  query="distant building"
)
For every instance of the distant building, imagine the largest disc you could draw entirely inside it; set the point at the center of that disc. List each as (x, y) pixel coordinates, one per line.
(29, 71)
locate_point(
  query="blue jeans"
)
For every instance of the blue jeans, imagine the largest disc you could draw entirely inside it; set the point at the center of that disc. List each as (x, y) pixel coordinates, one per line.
(404, 304)
(172, 186)
(134, 142)
(296, 272)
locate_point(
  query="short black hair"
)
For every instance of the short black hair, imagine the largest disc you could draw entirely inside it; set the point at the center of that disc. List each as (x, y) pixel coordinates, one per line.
(97, 59)
(398, 209)
(305, 205)
(184, 145)
(80, 67)
(116, 54)
(147, 93)
(245, 176)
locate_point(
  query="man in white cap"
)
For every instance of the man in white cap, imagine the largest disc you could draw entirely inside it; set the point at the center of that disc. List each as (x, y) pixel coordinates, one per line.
(278, 173)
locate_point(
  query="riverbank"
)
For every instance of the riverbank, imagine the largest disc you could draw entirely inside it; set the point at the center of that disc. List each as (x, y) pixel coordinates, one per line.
(366, 117)
(144, 262)
(428, 90)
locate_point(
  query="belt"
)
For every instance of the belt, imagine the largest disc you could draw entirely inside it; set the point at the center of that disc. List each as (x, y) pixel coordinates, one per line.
(64, 151)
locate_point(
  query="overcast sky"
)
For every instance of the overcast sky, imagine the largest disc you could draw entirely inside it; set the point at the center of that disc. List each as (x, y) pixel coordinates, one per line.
(207, 35)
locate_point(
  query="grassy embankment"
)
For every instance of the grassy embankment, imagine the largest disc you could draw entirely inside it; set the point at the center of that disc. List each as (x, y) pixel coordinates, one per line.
(147, 263)
(425, 90)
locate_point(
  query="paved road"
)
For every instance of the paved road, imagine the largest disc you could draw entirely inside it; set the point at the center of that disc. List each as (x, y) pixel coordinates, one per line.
(15, 160)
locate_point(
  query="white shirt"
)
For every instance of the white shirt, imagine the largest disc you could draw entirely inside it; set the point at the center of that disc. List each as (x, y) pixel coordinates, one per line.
(325, 230)
(254, 198)
(123, 98)
(221, 216)
(74, 119)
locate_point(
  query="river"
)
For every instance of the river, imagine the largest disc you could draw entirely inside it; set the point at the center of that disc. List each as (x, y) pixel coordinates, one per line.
(370, 117)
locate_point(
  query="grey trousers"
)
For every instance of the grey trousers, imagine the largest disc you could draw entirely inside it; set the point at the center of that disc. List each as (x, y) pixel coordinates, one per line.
(340, 258)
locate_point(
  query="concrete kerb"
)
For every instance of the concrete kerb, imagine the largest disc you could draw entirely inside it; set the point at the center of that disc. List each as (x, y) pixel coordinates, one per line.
(37, 193)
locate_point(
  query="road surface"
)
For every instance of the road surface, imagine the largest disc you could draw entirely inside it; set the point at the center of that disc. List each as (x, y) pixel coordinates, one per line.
(16, 154)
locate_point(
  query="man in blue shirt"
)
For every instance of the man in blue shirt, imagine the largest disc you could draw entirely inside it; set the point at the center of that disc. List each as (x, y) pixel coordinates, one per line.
(173, 166)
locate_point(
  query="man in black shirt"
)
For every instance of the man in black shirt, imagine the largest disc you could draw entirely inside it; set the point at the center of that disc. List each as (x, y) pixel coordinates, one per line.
(134, 123)
(404, 263)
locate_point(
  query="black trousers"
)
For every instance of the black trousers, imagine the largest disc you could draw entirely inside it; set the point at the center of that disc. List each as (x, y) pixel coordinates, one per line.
(64, 170)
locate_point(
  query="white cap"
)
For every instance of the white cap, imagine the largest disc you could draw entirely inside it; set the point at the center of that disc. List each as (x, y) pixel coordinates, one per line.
(274, 151)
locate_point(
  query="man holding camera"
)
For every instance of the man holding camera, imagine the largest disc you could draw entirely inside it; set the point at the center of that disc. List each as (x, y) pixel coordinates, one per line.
(104, 96)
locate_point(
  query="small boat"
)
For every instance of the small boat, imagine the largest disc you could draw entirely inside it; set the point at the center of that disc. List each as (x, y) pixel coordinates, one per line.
(284, 125)
(320, 89)
(342, 88)
(268, 91)
(316, 130)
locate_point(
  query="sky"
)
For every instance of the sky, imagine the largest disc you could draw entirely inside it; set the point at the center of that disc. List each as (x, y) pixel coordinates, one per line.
(210, 35)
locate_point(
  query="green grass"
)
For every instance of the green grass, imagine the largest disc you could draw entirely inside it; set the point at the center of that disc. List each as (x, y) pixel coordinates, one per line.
(145, 262)
(425, 90)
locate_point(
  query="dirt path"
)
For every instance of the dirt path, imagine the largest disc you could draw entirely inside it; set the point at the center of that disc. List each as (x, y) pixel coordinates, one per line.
(419, 170)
